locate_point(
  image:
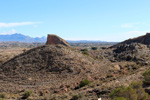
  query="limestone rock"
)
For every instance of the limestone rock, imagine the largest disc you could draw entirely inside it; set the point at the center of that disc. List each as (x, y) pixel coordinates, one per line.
(54, 39)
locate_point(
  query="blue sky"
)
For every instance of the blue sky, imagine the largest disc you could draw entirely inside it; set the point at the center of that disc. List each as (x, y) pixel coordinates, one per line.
(106, 20)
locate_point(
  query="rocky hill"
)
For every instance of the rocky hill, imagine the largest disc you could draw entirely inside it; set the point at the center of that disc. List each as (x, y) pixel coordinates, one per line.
(49, 66)
(145, 39)
(136, 49)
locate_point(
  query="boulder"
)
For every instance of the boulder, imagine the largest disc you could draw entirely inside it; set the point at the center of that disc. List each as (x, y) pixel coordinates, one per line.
(54, 39)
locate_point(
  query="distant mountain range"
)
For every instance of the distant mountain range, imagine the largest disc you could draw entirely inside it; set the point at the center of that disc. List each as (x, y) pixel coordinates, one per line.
(22, 38)
(84, 41)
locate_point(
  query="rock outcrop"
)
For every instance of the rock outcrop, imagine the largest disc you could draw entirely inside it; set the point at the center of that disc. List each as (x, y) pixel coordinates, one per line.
(136, 49)
(54, 39)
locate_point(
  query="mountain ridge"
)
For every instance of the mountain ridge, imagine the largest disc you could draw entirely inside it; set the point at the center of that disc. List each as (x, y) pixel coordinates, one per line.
(18, 37)
(144, 39)
(21, 38)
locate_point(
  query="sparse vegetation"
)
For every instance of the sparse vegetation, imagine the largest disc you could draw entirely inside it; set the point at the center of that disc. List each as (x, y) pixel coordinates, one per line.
(77, 97)
(2, 95)
(64, 67)
(26, 94)
(124, 92)
(134, 92)
(146, 75)
(138, 86)
(94, 48)
(84, 83)
(103, 47)
(120, 98)
(24, 50)
(84, 51)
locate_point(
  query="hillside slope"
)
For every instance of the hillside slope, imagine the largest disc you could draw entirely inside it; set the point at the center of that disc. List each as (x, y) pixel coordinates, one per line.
(49, 66)
(145, 39)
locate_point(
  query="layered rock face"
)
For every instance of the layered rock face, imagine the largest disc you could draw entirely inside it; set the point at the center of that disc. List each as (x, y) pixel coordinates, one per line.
(54, 39)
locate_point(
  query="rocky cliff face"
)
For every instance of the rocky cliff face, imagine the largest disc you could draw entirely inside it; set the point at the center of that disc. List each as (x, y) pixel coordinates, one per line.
(54, 39)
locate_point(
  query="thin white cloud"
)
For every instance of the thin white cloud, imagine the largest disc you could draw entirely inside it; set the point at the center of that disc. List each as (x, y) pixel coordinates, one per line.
(8, 32)
(16, 24)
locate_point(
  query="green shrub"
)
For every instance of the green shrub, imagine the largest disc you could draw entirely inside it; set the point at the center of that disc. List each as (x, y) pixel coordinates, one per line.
(142, 95)
(84, 51)
(146, 75)
(84, 83)
(94, 48)
(26, 94)
(134, 92)
(103, 47)
(2, 95)
(76, 97)
(128, 93)
(119, 98)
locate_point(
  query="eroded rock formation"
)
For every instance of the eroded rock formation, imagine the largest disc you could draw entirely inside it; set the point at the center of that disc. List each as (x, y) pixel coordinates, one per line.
(54, 39)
